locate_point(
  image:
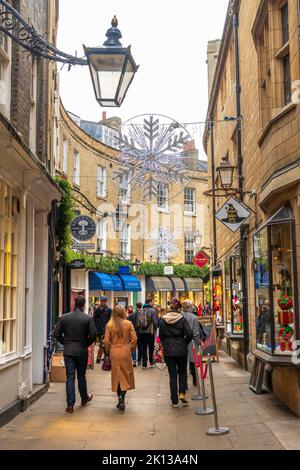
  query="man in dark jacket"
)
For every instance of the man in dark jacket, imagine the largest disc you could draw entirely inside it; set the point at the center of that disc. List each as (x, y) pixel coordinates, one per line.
(147, 325)
(175, 334)
(76, 331)
(101, 318)
(133, 317)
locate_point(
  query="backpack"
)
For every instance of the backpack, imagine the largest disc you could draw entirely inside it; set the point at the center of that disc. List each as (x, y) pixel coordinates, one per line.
(144, 320)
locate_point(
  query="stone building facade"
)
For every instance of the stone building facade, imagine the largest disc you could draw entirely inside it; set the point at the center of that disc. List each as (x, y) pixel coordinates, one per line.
(269, 54)
(88, 158)
(28, 198)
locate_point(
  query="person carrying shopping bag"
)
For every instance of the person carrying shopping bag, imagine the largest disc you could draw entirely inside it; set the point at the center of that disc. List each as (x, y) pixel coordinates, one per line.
(175, 335)
(119, 341)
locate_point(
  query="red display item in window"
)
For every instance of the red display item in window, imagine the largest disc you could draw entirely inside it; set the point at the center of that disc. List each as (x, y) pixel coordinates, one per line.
(285, 302)
(285, 318)
(286, 346)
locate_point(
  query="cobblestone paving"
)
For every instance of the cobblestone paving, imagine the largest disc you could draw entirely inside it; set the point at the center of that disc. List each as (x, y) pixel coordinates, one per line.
(256, 422)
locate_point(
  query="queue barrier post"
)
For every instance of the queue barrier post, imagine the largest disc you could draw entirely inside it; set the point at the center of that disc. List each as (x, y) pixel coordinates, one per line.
(217, 430)
(200, 395)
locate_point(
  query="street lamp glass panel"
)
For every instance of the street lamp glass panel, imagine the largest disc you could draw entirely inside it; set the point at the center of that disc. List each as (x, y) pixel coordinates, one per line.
(127, 79)
(106, 71)
(226, 175)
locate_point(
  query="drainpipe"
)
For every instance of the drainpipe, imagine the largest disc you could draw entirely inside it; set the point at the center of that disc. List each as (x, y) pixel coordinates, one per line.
(214, 252)
(243, 231)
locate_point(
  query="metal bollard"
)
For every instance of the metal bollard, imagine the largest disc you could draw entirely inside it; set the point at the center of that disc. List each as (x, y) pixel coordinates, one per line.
(204, 411)
(216, 431)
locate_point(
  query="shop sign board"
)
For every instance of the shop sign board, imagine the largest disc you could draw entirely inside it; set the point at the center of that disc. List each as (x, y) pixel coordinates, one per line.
(83, 228)
(201, 259)
(77, 264)
(168, 270)
(83, 246)
(210, 348)
(233, 214)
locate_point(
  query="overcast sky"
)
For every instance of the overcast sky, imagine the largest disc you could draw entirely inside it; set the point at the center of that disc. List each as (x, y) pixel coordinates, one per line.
(169, 41)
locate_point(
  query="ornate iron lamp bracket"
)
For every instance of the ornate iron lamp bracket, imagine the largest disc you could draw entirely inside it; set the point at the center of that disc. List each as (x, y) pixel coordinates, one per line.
(14, 26)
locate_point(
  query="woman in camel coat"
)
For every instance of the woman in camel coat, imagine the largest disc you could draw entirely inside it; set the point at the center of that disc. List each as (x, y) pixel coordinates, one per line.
(119, 341)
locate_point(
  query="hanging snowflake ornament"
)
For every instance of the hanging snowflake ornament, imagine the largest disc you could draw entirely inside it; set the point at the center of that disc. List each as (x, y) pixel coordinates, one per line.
(164, 245)
(152, 153)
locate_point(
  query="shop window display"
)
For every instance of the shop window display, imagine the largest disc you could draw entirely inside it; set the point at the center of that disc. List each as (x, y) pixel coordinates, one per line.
(217, 299)
(234, 295)
(274, 284)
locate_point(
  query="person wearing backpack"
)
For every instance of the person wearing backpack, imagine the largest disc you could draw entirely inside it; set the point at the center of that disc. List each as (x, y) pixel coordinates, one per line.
(175, 335)
(147, 324)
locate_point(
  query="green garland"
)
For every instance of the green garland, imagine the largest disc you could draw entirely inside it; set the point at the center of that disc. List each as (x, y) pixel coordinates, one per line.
(112, 266)
(65, 218)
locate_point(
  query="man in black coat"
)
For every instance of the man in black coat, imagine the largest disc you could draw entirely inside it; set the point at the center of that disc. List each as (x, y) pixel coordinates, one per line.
(101, 317)
(175, 335)
(76, 331)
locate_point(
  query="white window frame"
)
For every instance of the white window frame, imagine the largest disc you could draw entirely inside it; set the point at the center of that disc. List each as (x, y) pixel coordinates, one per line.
(101, 181)
(163, 197)
(101, 236)
(9, 267)
(65, 156)
(188, 201)
(189, 246)
(76, 164)
(125, 191)
(5, 65)
(125, 242)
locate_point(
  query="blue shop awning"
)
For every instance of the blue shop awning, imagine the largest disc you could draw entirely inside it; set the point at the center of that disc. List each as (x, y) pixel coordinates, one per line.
(100, 281)
(130, 283)
(118, 285)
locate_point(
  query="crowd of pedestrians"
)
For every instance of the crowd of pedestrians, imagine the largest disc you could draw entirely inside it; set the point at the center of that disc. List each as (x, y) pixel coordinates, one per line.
(126, 339)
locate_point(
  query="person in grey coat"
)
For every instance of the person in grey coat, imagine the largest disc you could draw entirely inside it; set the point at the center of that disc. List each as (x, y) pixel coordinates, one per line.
(197, 335)
(76, 331)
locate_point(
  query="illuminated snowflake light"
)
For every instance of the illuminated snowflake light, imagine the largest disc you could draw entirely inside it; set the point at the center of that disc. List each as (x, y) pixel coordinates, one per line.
(152, 154)
(164, 245)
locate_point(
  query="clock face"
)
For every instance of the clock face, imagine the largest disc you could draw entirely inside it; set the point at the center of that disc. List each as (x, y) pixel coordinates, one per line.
(155, 153)
(83, 228)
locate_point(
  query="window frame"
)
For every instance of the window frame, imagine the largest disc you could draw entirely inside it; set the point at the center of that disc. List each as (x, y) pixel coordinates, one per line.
(101, 181)
(163, 197)
(76, 168)
(268, 226)
(189, 201)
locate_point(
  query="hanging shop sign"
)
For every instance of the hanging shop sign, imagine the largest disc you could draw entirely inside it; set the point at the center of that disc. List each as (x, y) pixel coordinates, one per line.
(201, 259)
(233, 214)
(168, 270)
(83, 228)
(77, 264)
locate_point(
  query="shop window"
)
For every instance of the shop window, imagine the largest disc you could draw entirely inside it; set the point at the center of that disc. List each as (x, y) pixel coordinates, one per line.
(275, 278)
(228, 297)
(217, 298)
(8, 272)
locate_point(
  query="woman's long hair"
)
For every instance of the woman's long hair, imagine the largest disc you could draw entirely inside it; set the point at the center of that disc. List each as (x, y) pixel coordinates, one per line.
(117, 318)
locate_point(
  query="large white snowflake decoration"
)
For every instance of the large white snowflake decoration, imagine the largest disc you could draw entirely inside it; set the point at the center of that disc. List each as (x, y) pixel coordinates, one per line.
(164, 245)
(152, 154)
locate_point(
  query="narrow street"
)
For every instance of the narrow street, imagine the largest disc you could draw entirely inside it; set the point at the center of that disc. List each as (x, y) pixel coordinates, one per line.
(256, 421)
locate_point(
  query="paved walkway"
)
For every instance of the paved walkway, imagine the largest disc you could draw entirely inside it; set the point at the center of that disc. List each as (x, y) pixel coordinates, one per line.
(255, 421)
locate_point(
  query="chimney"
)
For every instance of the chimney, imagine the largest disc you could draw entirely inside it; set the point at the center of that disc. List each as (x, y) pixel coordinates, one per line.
(103, 115)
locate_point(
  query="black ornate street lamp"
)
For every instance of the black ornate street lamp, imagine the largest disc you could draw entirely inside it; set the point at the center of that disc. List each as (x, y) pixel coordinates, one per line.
(112, 68)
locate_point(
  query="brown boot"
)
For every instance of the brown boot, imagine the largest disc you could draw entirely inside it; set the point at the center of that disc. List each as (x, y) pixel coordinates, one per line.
(88, 400)
(70, 409)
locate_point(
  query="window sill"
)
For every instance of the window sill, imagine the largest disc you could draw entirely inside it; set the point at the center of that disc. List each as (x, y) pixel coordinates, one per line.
(9, 361)
(275, 360)
(288, 108)
(102, 197)
(163, 211)
(283, 51)
(190, 214)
